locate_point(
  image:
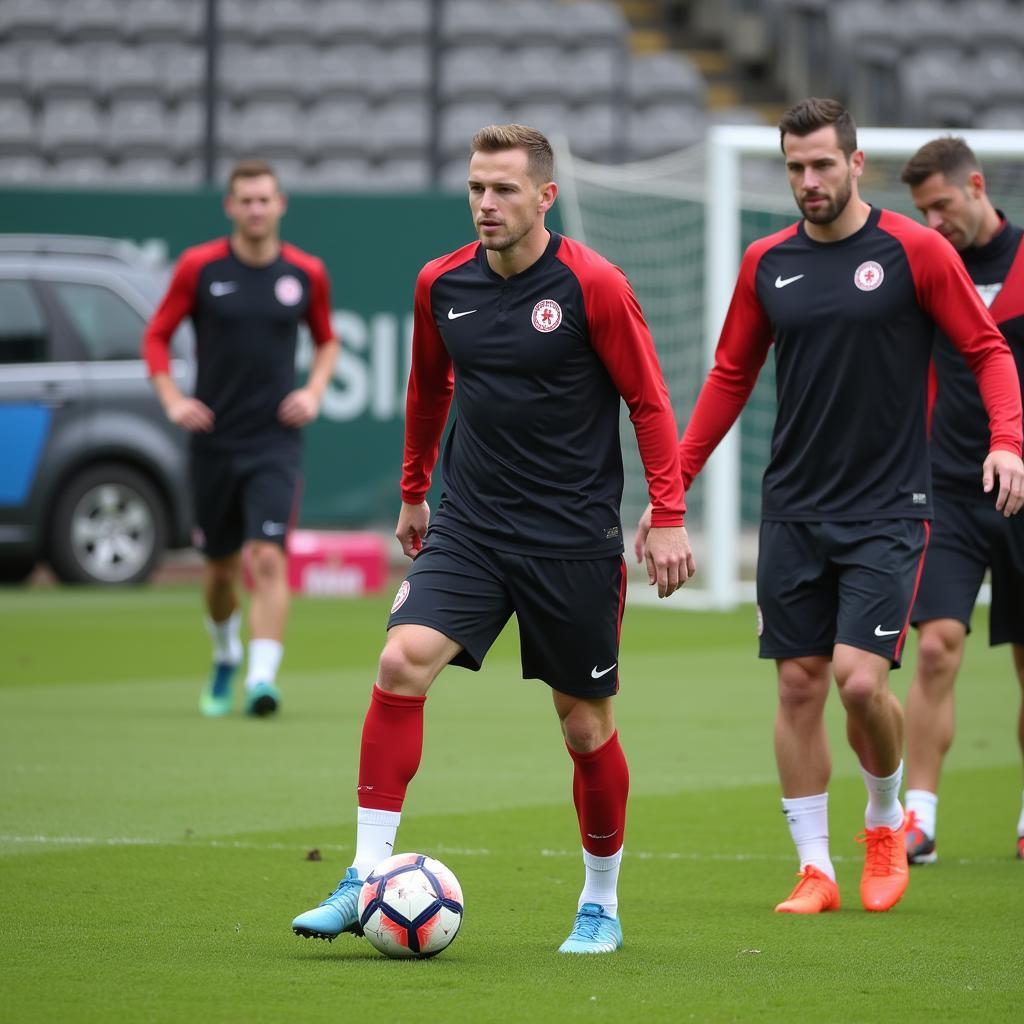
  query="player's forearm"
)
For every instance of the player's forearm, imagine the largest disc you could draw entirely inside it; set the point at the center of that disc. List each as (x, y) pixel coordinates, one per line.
(325, 357)
(166, 390)
(719, 405)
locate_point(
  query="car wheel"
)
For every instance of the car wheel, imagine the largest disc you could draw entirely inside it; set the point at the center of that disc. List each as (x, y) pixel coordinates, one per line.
(16, 570)
(109, 527)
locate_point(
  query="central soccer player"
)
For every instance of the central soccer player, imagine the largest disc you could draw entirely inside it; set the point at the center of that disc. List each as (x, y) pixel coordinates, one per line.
(849, 297)
(539, 339)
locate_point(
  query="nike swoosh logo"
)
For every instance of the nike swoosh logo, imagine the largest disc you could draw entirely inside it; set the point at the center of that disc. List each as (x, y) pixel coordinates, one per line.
(223, 287)
(594, 674)
(272, 529)
(452, 315)
(885, 632)
(781, 282)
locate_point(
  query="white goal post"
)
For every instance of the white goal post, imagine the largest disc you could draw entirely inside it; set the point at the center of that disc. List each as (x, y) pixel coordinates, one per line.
(715, 194)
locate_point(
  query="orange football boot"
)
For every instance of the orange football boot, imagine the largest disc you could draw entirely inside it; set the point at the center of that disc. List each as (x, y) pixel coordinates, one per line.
(885, 875)
(814, 894)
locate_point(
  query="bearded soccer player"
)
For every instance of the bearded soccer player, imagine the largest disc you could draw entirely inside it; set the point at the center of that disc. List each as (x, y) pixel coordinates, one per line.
(849, 296)
(539, 339)
(969, 537)
(246, 296)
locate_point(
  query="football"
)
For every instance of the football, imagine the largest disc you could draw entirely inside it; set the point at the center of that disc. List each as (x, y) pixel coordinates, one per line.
(410, 906)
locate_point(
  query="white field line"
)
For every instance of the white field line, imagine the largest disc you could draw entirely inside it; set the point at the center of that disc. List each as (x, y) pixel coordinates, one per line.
(455, 851)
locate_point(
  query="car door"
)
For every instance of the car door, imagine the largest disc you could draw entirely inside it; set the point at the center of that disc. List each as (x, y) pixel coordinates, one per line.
(44, 405)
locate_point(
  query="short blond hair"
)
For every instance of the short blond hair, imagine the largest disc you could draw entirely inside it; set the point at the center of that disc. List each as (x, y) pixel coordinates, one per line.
(540, 158)
(251, 168)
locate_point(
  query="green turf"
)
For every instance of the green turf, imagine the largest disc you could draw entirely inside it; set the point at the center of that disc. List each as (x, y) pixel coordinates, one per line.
(152, 860)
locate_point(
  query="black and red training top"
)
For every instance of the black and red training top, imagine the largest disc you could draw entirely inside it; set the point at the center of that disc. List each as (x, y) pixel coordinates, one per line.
(538, 364)
(959, 436)
(852, 323)
(246, 321)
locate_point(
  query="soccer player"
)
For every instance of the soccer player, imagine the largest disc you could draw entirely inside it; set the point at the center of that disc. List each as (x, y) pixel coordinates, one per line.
(848, 296)
(969, 536)
(538, 338)
(246, 296)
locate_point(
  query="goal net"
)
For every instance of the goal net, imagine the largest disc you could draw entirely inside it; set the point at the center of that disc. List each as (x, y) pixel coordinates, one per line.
(678, 226)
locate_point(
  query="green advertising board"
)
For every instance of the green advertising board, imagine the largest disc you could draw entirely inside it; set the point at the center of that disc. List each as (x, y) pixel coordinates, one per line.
(373, 246)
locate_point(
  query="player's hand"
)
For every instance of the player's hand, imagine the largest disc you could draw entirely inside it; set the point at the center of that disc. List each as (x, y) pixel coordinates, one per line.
(298, 408)
(1010, 471)
(669, 558)
(412, 526)
(640, 540)
(190, 414)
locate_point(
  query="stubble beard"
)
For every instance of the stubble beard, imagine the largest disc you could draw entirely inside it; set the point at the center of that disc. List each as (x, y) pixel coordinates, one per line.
(834, 209)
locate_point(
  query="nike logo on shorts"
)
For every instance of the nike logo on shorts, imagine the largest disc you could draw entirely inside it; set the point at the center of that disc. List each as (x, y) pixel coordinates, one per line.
(272, 529)
(595, 674)
(886, 632)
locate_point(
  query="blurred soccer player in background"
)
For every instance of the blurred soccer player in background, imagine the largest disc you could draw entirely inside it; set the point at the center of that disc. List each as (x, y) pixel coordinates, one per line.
(969, 537)
(246, 296)
(539, 339)
(849, 297)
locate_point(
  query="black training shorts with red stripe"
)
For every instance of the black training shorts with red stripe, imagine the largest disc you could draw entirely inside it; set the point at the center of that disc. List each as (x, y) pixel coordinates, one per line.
(569, 610)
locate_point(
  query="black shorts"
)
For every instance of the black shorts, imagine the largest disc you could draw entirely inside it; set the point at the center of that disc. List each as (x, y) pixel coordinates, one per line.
(822, 584)
(243, 496)
(970, 538)
(569, 611)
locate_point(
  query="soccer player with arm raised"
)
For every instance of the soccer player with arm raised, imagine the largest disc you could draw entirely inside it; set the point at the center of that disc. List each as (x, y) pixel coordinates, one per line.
(969, 536)
(849, 296)
(536, 340)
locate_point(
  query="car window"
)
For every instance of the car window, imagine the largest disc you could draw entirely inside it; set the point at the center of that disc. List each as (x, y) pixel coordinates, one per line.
(22, 324)
(109, 327)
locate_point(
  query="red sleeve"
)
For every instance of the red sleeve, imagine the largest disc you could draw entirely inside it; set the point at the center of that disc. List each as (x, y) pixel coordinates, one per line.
(431, 382)
(176, 304)
(742, 349)
(622, 341)
(946, 294)
(318, 312)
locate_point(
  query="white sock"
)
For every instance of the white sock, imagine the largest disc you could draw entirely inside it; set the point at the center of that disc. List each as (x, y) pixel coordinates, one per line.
(924, 805)
(807, 817)
(227, 644)
(375, 838)
(1020, 821)
(884, 808)
(264, 659)
(602, 881)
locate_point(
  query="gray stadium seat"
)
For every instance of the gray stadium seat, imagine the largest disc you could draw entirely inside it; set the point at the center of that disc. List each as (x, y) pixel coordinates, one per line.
(460, 122)
(182, 69)
(663, 128)
(276, 22)
(152, 21)
(22, 170)
(29, 19)
(127, 71)
(188, 128)
(236, 21)
(1011, 117)
(271, 129)
(272, 72)
(496, 22)
(936, 89)
(102, 20)
(400, 129)
(17, 127)
(155, 172)
(660, 77)
(595, 133)
(595, 72)
(339, 22)
(60, 71)
(589, 22)
(342, 71)
(12, 72)
(339, 173)
(998, 78)
(404, 70)
(453, 175)
(84, 170)
(407, 173)
(995, 25)
(70, 127)
(139, 127)
(532, 72)
(401, 21)
(338, 128)
(472, 73)
(291, 171)
(552, 117)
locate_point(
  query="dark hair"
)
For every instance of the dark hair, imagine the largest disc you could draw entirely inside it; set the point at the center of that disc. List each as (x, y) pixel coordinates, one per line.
(540, 160)
(813, 113)
(252, 168)
(949, 156)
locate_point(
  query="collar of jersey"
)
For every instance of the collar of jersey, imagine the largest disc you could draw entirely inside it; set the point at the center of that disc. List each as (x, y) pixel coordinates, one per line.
(997, 246)
(545, 257)
(868, 225)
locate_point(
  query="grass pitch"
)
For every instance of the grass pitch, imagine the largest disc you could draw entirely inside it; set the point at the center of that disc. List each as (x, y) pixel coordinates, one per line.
(152, 860)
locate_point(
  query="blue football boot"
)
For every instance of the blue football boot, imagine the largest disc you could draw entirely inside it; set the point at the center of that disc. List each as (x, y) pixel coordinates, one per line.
(338, 913)
(594, 931)
(215, 700)
(262, 699)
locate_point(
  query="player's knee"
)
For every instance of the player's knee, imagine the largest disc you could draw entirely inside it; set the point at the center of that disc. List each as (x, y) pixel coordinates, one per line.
(860, 690)
(401, 670)
(800, 688)
(586, 728)
(222, 572)
(937, 653)
(266, 562)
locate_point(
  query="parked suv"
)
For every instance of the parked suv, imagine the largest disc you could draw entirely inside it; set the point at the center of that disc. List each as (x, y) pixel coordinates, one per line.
(93, 478)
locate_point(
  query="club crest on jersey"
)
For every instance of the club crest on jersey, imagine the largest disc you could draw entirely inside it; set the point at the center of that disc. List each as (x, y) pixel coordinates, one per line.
(403, 593)
(547, 315)
(868, 276)
(288, 290)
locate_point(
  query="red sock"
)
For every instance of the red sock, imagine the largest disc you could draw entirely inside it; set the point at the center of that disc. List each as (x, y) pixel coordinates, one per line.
(600, 785)
(391, 748)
